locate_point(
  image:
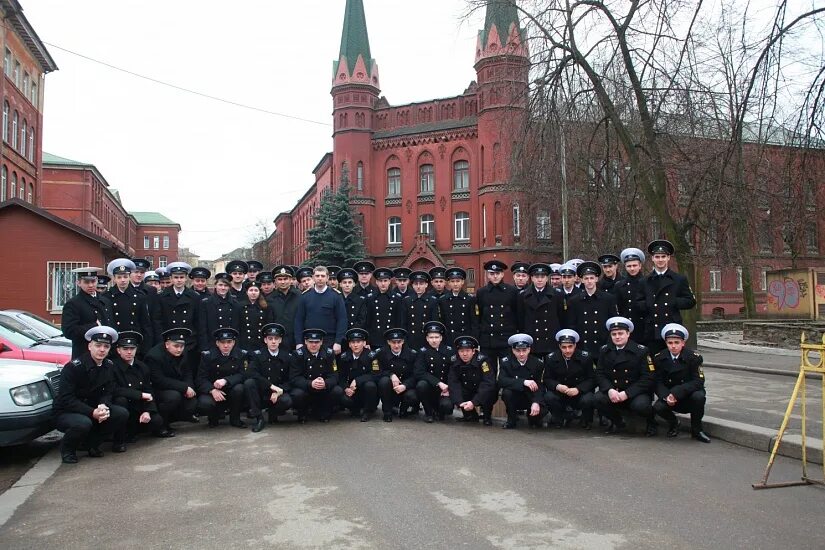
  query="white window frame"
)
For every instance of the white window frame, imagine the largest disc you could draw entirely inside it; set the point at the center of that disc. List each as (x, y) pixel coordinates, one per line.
(166, 242)
(156, 242)
(461, 175)
(6, 109)
(543, 225)
(426, 224)
(461, 226)
(516, 220)
(394, 230)
(4, 176)
(763, 279)
(715, 280)
(146, 242)
(739, 279)
(359, 175)
(393, 182)
(15, 123)
(24, 130)
(7, 62)
(163, 261)
(31, 144)
(426, 177)
(34, 97)
(61, 283)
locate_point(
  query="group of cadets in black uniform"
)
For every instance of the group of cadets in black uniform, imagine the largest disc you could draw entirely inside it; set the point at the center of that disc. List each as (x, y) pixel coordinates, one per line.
(566, 339)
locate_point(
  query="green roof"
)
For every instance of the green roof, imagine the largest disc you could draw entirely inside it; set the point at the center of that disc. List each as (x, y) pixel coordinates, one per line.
(500, 13)
(152, 218)
(354, 39)
(49, 158)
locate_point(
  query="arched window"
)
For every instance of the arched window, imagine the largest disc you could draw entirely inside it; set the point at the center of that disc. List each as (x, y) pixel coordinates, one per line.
(14, 122)
(359, 176)
(6, 121)
(34, 94)
(394, 230)
(427, 175)
(543, 225)
(23, 138)
(31, 144)
(4, 176)
(428, 225)
(22, 192)
(13, 192)
(462, 226)
(394, 182)
(461, 175)
(31, 193)
(516, 220)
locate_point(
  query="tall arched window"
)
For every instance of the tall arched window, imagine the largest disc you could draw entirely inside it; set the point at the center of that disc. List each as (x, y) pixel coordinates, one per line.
(461, 175)
(31, 144)
(394, 230)
(462, 226)
(359, 176)
(516, 220)
(427, 175)
(31, 192)
(14, 123)
(428, 225)
(13, 192)
(4, 176)
(22, 192)
(23, 138)
(394, 181)
(6, 121)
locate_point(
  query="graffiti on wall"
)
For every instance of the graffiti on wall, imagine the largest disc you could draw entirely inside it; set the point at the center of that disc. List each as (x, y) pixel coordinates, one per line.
(787, 293)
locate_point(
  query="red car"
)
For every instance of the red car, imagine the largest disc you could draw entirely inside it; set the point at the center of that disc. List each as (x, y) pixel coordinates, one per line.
(14, 345)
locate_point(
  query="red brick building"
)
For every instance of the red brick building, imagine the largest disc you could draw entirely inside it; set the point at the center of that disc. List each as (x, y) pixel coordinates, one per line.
(156, 238)
(428, 178)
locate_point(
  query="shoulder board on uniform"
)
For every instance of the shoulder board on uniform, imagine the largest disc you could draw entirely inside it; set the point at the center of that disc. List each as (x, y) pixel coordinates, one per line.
(75, 361)
(642, 347)
(453, 357)
(299, 352)
(585, 353)
(551, 355)
(373, 354)
(423, 349)
(482, 357)
(243, 351)
(449, 349)
(305, 291)
(505, 360)
(336, 290)
(257, 352)
(109, 362)
(329, 351)
(661, 354)
(206, 352)
(205, 298)
(605, 348)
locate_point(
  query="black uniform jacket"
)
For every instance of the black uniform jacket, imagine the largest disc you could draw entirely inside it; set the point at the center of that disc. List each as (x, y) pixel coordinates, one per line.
(630, 301)
(497, 307)
(307, 367)
(681, 376)
(81, 313)
(588, 314)
(362, 370)
(539, 315)
(576, 372)
(270, 370)
(629, 369)
(168, 372)
(180, 311)
(433, 365)
(476, 376)
(356, 306)
(215, 312)
(459, 314)
(512, 374)
(402, 365)
(84, 386)
(665, 296)
(215, 365)
(131, 382)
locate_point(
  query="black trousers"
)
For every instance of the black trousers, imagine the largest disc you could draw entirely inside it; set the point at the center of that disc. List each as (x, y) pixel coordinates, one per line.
(389, 398)
(516, 401)
(235, 399)
(486, 402)
(319, 401)
(173, 405)
(258, 394)
(639, 405)
(494, 355)
(434, 403)
(78, 428)
(133, 425)
(693, 404)
(558, 403)
(365, 398)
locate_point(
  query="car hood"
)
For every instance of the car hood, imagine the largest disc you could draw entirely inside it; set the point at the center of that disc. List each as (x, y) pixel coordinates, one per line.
(14, 372)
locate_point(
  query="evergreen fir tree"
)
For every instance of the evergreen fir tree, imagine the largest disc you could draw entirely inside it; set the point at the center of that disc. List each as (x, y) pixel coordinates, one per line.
(335, 238)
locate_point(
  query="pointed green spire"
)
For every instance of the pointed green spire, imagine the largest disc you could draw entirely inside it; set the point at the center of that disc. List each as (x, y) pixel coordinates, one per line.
(354, 38)
(501, 13)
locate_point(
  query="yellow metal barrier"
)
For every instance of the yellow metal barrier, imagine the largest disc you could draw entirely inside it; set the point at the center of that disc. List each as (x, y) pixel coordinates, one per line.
(805, 367)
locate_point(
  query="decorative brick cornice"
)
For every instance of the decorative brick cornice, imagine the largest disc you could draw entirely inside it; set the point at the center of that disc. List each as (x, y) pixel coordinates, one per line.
(425, 138)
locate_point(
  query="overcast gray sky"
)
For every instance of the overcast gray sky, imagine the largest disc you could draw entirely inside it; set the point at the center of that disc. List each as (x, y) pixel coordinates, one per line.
(213, 167)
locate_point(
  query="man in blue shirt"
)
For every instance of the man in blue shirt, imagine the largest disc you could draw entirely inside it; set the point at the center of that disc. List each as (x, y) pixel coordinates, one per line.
(323, 308)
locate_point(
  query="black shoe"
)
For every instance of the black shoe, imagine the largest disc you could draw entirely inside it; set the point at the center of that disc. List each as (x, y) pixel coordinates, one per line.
(429, 419)
(272, 417)
(302, 419)
(673, 429)
(213, 422)
(509, 425)
(118, 447)
(323, 420)
(365, 417)
(587, 425)
(440, 416)
(471, 417)
(95, 452)
(652, 428)
(131, 438)
(603, 421)
(165, 433)
(69, 457)
(387, 417)
(194, 419)
(487, 421)
(403, 413)
(259, 424)
(615, 427)
(701, 436)
(237, 423)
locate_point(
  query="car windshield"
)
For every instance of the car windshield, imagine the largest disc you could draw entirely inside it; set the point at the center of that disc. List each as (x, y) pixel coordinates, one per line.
(16, 338)
(44, 326)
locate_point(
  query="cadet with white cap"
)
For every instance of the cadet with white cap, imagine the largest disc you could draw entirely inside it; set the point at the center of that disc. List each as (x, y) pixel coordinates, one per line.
(128, 307)
(83, 311)
(625, 375)
(680, 383)
(629, 291)
(519, 377)
(179, 307)
(569, 382)
(83, 407)
(667, 293)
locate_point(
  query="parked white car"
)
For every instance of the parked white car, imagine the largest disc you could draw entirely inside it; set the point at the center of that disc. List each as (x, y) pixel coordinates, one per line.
(26, 392)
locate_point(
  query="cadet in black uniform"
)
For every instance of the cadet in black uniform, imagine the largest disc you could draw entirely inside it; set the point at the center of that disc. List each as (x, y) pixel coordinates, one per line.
(137, 277)
(267, 285)
(354, 303)
(304, 277)
(133, 388)
(253, 267)
(457, 309)
(358, 372)
(216, 311)
(103, 284)
(284, 302)
(432, 368)
(332, 276)
(497, 309)
(314, 377)
(364, 287)
(569, 382)
(221, 377)
(267, 378)
(610, 271)
(625, 378)
(83, 407)
(630, 292)
(680, 383)
(540, 310)
(521, 275)
(200, 278)
(555, 276)
(520, 379)
(438, 281)
(589, 310)
(172, 377)
(179, 309)
(472, 381)
(237, 272)
(567, 290)
(667, 293)
(383, 308)
(253, 314)
(396, 379)
(84, 311)
(128, 309)
(401, 276)
(417, 309)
